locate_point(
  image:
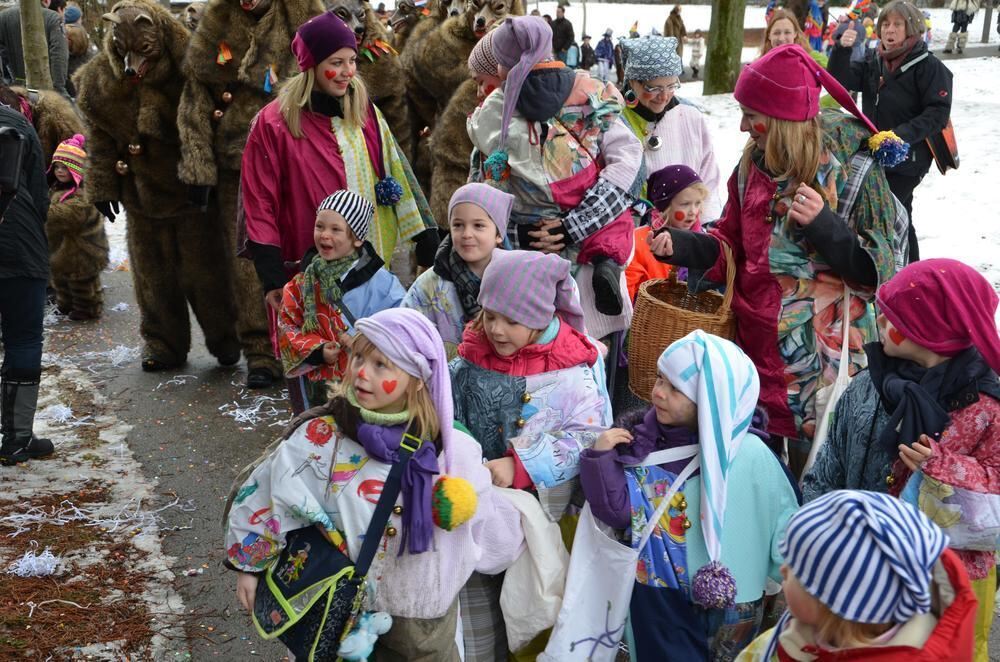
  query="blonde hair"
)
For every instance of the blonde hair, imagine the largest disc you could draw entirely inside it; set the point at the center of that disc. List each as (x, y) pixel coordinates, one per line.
(800, 36)
(477, 325)
(699, 188)
(418, 397)
(77, 40)
(841, 633)
(792, 152)
(295, 95)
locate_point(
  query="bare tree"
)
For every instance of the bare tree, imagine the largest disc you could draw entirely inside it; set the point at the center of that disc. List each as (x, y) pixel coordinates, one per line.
(35, 46)
(725, 46)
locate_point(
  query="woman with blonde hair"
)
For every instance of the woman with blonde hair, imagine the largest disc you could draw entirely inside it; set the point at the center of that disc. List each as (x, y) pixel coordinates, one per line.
(322, 134)
(783, 28)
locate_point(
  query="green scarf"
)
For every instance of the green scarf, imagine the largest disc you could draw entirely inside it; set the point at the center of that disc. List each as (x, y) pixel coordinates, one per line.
(377, 417)
(327, 275)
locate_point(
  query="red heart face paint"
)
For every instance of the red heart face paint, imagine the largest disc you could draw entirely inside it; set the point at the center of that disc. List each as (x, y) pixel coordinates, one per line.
(895, 336)
(760, 127)
(389, 385)
(679, 216)
(330, 74)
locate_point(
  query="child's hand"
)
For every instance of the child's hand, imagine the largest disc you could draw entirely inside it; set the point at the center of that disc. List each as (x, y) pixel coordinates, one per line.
(273, 299)
(502, 471)
(611, 438)
(331, 350)
(914, 456)
(246, 589)
(806, 205)
(661, 245)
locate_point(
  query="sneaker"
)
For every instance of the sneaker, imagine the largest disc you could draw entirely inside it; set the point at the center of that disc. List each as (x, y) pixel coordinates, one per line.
(607, 287)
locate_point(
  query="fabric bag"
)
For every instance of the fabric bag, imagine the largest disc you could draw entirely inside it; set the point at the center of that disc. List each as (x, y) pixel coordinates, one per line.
(944, 149)
(971, 519)
(311, 596)
(828, 396)
(601, 577)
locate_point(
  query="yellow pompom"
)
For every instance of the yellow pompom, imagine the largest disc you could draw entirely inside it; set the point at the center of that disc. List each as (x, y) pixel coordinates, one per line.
(453, 502)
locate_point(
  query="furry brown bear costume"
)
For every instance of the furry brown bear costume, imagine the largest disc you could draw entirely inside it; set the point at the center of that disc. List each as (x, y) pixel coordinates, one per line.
(129, 94)
(403, 21)
(50, 113)
(228, 59)
(451, 149)
(78, 250)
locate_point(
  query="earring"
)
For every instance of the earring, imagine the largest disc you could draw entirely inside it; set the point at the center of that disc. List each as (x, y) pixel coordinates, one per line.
(631, 100)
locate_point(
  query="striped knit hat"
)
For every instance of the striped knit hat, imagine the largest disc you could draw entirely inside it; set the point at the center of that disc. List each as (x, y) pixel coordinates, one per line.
(355, 209)
(493, 201)
(530, 287)
(71, 154)
(867, 556)
(481, 59)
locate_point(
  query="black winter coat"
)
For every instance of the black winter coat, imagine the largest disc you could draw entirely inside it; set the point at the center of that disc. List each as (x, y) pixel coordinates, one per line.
(562, 35)
(914, 101)
(24, 250)
(587, 57)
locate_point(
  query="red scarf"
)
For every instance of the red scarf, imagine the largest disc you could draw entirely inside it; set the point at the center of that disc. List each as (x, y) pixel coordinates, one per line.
(569, 348)
(893, 58)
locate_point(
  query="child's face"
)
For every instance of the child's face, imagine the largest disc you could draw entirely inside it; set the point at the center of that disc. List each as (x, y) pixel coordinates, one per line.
(684, 210)
(61, 173)
(378, 383)
(473, 234)
(673, 407)
(505, 335)
(333, 237)
(485, 84)
(804, 607)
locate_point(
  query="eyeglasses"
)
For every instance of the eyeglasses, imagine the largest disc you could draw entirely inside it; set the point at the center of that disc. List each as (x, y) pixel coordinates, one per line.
(660, 89)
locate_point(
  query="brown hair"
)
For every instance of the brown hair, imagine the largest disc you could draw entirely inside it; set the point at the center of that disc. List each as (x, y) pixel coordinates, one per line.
(800, 36)
(418, 397)
(912, 18)
(77, 39)
(792, 152)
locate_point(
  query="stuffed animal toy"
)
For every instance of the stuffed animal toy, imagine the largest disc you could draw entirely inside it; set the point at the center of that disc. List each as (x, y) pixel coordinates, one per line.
(360, 643)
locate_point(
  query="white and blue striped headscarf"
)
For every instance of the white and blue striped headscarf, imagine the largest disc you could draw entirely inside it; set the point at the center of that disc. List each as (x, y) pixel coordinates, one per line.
(722, 381)
(867, 556)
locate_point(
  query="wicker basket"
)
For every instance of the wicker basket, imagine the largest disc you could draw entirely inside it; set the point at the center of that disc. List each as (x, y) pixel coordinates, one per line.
(664, 312)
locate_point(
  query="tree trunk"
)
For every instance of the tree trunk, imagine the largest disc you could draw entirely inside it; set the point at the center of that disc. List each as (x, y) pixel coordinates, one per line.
(35, 46)
(584, 21)
(722, 62)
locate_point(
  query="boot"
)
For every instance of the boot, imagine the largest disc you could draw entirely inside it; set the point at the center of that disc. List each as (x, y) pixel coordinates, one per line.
(607, 286)
(18, 399)
(963, 39)
(694, 72)
(950, 45)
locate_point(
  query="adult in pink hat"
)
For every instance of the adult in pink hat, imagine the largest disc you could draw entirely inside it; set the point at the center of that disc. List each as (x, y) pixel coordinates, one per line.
(796, 257)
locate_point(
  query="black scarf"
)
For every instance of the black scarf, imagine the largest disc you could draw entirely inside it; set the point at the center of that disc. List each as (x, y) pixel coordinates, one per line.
(918, 400)
(324, 104)
(449, 266)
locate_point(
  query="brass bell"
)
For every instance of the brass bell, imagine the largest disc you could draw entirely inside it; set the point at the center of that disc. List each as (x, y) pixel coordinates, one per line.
(390, 531)
(683, 504)
(217, 115)
(121, 168)
(520, 422)
(687, 523)
(890, 480)
(227, 97)
(397, 509)
(135, 149)
(526, 398)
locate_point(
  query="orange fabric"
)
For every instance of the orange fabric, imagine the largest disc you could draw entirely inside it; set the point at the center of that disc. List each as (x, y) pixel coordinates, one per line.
(644, 265)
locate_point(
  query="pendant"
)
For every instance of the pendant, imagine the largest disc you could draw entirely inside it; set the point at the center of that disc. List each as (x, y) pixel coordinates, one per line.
(654, 143)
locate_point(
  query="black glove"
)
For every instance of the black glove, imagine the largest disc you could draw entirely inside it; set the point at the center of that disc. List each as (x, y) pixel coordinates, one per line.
(425, 247)
(109, 208)
(199, 195)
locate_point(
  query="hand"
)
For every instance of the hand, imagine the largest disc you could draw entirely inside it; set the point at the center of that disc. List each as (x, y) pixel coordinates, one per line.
(273, 299)
(502, 471)
(246, 589)
(806, 205)
(662, 245)
(914, 456)
(109, 208)
(848, 38)
(199, 195)
(331, 350)
(547, 242)
(611, 438)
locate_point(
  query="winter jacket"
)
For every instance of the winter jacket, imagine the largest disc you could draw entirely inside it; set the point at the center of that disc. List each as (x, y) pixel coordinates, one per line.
(562, 35)
(914, 101)
(967, 6)
(540, 410)
(605, 50)
(24, 251)
(790, 279)
(437, 299)
(77, 242)
(587, 57)
(674, 27)
(946, 633)
(367, 288)
(644, 265)
(55, 37)
(319, 475)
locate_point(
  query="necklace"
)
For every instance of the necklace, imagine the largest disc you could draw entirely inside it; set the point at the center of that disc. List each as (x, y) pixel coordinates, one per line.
(653, 141)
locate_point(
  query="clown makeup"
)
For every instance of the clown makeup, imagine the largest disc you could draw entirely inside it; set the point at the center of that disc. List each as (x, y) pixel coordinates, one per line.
(334, 74)
(755, 124)
(898, 346)
(486, 84)
(505, 335)
(333, 237)
(61, 173)
(379, 384)
(671, 406)
(474, 235)
(655, 94)
(685, 209)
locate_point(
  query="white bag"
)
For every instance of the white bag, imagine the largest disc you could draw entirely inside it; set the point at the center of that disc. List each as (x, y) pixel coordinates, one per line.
(601, 577)
(828, 396)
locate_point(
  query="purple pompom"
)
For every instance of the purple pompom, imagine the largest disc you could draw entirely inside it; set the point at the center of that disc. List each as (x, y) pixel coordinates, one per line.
(714, 587)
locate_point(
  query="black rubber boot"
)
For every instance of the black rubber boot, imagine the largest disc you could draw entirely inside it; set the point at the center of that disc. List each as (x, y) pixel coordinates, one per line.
(258, 378)
(607, 286)
(18, 400)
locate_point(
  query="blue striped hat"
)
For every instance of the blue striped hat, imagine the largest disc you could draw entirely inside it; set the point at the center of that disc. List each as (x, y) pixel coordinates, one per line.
(866, 556)
(356, 210)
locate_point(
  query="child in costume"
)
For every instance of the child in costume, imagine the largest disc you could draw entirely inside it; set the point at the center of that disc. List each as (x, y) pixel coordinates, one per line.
(677, 194)
(924, 419)
(342, 280)
(701, 578)
(448, 294)
(529, 384)
(868, 577)
(78, 245)
(553, 137)
(327, 469)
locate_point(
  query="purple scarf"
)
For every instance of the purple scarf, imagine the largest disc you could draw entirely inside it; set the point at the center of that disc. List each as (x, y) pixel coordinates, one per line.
(382, 443)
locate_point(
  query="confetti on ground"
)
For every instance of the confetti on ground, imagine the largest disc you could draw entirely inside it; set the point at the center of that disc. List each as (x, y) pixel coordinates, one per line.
(35, 565)
(177, 380)
(120, 307)
(117, 356)
(129, 516)
(252, 409)
(191, 572)
(118, 259)
(52, 316)
(58, 413)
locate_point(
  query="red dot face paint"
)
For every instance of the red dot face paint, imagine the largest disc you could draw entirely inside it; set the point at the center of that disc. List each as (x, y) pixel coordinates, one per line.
(760, 127)
(330, 74)
(679, 216)
(361, 374)
(895, 336)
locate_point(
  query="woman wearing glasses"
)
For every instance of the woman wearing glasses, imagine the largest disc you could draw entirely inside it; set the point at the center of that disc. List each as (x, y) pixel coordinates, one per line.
(672, 132)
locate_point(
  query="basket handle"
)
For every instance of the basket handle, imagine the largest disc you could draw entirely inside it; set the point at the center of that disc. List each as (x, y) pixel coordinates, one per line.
(727, 252)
